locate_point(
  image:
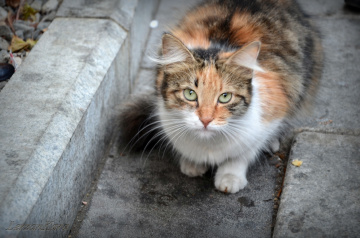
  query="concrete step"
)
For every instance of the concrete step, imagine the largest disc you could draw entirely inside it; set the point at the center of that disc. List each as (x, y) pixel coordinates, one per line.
(321, 197)
(57, 112)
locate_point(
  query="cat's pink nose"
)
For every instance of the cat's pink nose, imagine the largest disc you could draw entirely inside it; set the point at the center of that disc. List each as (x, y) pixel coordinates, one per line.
(206, 120)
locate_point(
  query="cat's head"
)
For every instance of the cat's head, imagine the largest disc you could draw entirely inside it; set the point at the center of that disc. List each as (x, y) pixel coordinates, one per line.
(206, 87)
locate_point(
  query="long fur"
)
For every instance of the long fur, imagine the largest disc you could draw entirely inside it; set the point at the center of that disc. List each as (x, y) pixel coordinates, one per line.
(264, 53)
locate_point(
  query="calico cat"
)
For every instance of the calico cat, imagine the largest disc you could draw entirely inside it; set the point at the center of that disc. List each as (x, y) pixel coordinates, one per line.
(231, 75)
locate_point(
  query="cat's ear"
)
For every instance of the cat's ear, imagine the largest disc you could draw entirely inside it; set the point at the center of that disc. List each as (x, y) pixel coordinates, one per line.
(247, 56)
(174, 51)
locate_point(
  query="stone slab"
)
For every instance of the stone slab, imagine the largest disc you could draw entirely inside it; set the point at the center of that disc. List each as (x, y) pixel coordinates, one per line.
(337, 104)
(133, 16)
(145, 81)
(139, 32)
(54, 122)
(321, 197)
(121, 11)
(147, 196)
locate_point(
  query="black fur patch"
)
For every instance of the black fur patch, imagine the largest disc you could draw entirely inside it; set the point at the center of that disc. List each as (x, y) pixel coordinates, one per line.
(138, 125)
(208, 54)
(164, 86)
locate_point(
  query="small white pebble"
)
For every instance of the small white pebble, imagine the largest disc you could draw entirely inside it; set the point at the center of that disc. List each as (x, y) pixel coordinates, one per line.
(154, 24)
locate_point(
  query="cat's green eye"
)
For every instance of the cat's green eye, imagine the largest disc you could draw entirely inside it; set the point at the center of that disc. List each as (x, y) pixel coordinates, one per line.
(225, 97)
(190, 94)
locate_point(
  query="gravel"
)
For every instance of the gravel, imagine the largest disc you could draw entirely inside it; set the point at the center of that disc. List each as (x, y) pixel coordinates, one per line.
(5, 32)
(36, 5)
(3, 14)
(4, 45)
(24, 29)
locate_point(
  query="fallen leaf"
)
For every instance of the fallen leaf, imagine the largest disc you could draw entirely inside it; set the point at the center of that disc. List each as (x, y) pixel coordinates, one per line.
(18, 44)
(31, 42)
(84, 203)
(297, 162)
(28, 13)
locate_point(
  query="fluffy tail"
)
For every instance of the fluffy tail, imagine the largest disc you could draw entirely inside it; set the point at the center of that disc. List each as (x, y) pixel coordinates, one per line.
(139, 125)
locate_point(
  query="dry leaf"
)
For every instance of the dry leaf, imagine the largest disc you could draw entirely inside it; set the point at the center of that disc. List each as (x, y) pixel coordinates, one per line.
(18, 44)
(84, 203)
(297, 162)
(28, 13)
(31, 42)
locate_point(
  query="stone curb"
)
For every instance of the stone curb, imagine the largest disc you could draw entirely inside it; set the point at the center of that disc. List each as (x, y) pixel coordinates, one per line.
(320, 198)
(57, 115)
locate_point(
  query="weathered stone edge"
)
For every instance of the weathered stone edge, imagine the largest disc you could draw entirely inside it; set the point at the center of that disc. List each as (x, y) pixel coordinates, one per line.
(297, 185)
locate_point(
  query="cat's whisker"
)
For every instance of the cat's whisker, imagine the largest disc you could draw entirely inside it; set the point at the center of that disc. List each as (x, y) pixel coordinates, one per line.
(165, 147)
(170, 142)
(179, 135)
(233, 135)
(142, 128)
(177, 131)
(225, 135)
(154, 128)
(154, 137)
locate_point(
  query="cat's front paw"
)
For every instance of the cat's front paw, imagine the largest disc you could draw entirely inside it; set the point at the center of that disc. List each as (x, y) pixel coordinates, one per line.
(229, 183)
(191, 169)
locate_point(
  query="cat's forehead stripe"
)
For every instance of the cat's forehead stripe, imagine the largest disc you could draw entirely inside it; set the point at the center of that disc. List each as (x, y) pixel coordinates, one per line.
(207, 54)
(208, 75)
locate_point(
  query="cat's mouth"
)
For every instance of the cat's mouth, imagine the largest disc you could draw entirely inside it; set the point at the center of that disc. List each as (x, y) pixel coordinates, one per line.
(203, 129)
(205, 132)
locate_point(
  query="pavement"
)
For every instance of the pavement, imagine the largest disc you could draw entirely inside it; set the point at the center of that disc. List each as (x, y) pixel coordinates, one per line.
(146, 195)
(61, 174)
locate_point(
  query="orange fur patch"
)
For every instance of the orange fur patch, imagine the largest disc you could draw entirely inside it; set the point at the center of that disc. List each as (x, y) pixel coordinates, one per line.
(225, 55)
(273, 99)
(244, 29)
